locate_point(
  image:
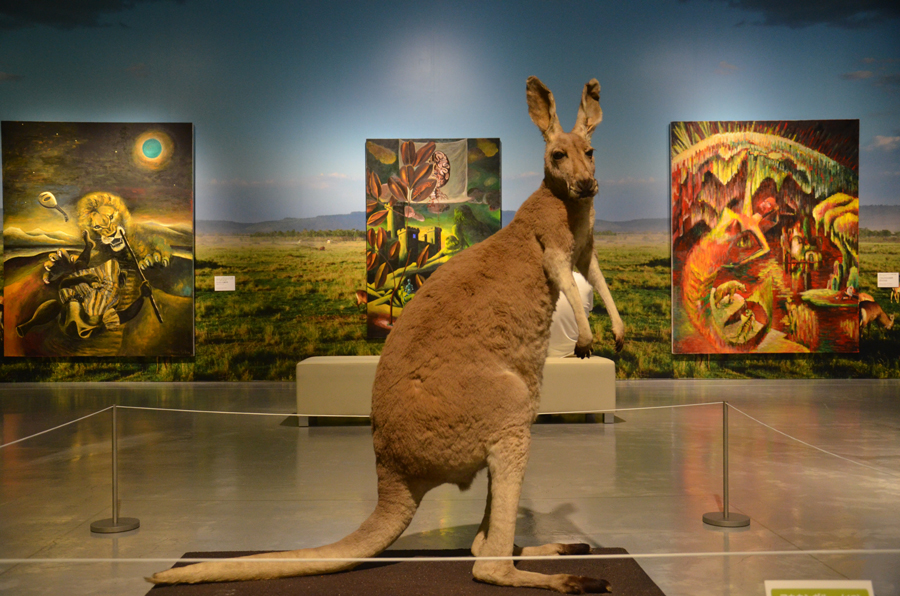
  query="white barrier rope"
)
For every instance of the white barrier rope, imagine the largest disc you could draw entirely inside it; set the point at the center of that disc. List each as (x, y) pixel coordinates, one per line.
(455, 559)
(43, 432)
(141, 408)
(281, 414)
(802, 442)
(449, 559)
(672, 407)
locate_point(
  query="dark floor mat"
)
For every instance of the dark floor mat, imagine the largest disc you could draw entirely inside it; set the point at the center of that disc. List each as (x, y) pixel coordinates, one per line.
(421, 578)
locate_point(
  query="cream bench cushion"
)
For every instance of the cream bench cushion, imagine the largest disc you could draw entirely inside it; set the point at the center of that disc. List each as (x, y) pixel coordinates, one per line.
(342, 386)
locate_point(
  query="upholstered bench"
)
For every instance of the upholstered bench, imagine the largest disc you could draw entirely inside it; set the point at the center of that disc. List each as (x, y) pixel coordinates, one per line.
(341, 386)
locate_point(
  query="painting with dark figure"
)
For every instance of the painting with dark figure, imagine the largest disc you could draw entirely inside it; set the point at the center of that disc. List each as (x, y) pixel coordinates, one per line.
(426, 200)
(98, 232)
(765, 237)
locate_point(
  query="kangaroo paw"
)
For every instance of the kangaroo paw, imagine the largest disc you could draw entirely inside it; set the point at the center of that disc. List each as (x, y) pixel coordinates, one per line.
(587, 585)
(575, 549)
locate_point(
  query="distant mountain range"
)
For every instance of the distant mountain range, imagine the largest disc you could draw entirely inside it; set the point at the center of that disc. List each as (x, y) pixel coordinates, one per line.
(880, 217)
(357, 221)
(873, 217)
(350, 221)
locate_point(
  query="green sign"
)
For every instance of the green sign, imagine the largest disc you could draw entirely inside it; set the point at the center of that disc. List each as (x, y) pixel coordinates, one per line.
(819, 588)
(821, 592)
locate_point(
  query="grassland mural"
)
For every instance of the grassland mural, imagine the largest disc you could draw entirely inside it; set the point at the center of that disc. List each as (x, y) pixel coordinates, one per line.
(765, 237)
(426, 200)
(98, 239)
(295, 298)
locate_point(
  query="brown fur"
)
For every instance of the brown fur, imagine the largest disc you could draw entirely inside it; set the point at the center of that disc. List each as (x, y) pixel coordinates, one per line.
(458, 381)
(362, 298)
(870, 311)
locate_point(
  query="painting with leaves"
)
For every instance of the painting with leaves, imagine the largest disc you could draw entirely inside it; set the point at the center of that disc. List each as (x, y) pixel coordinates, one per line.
(426, 200)
(98, 233)
(765, 237)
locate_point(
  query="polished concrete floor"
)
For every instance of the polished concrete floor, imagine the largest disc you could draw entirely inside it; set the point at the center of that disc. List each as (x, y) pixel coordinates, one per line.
(209, 482)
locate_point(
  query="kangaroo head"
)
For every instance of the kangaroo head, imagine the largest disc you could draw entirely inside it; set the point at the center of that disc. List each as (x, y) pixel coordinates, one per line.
(568, 157)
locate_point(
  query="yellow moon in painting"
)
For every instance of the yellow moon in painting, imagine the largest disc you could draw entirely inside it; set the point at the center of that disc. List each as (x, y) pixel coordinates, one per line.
(152, 149)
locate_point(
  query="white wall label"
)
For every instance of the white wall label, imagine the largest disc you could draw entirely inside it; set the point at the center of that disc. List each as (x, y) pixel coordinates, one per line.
(819, 588)
(888, 280)
(224, 283)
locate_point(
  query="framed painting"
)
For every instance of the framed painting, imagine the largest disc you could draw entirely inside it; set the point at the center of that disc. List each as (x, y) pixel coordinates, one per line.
(98, 233)
(765, 237)
(426, 200)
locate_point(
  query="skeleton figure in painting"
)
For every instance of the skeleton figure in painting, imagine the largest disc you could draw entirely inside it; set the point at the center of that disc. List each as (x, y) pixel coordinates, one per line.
(88, 296)
(441, 175)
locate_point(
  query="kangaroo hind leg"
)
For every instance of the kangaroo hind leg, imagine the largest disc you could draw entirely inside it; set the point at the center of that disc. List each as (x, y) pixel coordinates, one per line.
(554, 548)
(506, 465)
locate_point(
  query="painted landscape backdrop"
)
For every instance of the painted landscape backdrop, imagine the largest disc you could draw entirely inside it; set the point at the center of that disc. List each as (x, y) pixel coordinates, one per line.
(281, 126)
(296, 282)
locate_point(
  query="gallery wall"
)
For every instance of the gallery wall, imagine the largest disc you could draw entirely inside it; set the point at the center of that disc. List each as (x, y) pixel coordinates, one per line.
(283, 96)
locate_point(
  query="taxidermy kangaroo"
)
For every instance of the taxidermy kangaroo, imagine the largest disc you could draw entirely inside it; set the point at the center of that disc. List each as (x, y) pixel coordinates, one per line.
(458, 381)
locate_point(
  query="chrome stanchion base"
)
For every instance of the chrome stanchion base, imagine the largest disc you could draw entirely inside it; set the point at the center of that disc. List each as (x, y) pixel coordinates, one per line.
(109, 526)
(734, 520)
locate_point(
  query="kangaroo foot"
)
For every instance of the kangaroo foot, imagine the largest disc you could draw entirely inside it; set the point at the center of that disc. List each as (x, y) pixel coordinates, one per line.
(554, 548)
(503, 573)
(588, 585)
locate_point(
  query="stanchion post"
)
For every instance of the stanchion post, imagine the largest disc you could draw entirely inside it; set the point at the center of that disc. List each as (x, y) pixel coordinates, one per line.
(724, 518)
(115, 524)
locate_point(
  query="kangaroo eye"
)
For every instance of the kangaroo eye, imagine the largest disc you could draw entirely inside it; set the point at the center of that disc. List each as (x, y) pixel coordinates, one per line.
(558, 155)
(589, 153)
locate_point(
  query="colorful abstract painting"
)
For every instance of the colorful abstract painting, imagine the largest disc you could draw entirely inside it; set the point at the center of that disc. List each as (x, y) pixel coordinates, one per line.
(765, 237)
(98, 233)
(426, 200)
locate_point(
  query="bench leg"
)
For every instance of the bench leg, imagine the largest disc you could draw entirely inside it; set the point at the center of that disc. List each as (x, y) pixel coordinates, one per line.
(609, 418)
(302, 421)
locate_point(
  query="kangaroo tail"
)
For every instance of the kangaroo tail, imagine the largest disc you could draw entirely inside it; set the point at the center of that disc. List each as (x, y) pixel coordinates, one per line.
(397, 503)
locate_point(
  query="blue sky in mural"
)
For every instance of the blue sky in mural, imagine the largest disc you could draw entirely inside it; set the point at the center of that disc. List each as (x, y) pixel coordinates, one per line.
(284, 94)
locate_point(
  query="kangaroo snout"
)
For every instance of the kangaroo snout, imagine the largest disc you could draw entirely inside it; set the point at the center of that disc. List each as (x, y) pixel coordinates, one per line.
(586, 187)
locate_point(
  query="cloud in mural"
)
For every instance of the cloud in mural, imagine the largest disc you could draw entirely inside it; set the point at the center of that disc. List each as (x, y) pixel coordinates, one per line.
(65, 14)
(883, 143)
(836, 13)
(139, 70)
(273, 198)
(319, 182)
(858, 75)
(627, 181)
(726, 69)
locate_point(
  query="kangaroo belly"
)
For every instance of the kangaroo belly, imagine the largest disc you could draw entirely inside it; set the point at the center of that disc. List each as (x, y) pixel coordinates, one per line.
(462, 365)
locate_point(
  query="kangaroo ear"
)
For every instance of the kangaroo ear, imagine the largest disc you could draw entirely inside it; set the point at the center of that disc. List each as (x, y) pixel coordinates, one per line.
(589, 112)
(542, 108)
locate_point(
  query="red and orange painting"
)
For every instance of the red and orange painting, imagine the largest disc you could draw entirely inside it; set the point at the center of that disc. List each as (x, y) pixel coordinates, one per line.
(765, 237)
